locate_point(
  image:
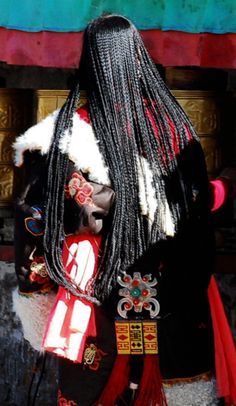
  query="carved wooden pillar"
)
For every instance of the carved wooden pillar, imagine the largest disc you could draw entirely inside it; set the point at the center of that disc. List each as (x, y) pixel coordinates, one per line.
(203, 109)
(14, 118)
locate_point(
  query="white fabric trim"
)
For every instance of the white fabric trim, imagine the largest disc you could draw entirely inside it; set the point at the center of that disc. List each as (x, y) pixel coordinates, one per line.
(81, 146)
(33, 312)
(37, 137)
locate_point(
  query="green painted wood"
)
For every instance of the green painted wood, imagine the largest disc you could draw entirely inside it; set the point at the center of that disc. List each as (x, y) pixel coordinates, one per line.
(216, 16)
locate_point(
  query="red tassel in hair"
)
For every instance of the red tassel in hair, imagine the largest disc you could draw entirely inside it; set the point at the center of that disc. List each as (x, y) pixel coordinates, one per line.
(151, 392)
(117, 382)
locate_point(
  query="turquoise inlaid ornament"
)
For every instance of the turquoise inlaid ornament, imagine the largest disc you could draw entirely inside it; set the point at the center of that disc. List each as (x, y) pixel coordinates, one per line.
(138, 294)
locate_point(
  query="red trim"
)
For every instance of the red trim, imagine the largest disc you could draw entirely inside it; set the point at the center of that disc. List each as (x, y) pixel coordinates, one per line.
(225, 352)
(169, 48)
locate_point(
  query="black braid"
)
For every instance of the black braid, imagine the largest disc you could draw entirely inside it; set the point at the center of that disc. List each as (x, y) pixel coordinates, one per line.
(57, 164)
(121, 81)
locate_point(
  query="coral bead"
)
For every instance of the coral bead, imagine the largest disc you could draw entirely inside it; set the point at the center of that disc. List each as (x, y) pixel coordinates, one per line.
(135, 282)
(127, 306)
(146, 305)
(145, 292)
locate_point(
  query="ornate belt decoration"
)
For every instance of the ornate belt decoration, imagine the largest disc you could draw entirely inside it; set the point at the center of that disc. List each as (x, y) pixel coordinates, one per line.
(138, 294)
(137, 336)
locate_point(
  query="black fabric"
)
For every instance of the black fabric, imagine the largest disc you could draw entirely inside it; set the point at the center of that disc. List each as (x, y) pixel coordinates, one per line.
(185, 345)
(136, 368)
(78, 382)
(26, 244)
(186, 264)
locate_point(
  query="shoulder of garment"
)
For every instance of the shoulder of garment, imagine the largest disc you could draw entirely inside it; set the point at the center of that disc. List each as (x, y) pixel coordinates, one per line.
(81, 145)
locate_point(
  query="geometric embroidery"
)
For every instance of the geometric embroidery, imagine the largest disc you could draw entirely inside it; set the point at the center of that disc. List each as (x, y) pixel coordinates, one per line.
(136, 337)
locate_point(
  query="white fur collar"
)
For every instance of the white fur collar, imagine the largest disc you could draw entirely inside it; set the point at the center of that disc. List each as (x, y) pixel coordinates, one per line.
(81, 146)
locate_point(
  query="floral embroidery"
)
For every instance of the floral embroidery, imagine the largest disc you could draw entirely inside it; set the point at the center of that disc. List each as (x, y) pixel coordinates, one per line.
(61, 401)
(93, 356)
(39, 273)
(38, 266)
(79, 189)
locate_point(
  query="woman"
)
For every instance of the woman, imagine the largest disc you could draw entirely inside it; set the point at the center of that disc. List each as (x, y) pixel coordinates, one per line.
(117, 214)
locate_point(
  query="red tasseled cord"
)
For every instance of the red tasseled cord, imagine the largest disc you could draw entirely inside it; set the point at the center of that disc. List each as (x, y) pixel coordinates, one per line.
(151, 392)
(117, 382)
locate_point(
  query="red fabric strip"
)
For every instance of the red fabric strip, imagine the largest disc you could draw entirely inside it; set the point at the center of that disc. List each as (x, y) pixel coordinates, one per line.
(225, 352)
(169, 48)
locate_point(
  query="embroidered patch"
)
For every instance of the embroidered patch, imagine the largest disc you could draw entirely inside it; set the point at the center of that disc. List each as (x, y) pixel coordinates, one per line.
(39, 274)
(93, 356)
(38, 266)
(79, 189)
(34, 224)
(136, 337)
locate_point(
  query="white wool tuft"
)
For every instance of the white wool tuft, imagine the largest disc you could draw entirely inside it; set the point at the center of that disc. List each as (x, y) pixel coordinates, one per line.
(169, 226)
(33, 312)
(83, 150)
(81, 146)
(35, 138)
(148, 201)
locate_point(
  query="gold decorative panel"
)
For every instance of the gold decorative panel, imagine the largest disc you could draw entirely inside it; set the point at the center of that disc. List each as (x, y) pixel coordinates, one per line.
(46, 101)
(6, 176)
(202, 108)
(15, 117)
(6, 140)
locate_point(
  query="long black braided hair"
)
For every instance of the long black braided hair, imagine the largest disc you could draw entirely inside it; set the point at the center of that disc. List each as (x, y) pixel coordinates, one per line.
(132, 112)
